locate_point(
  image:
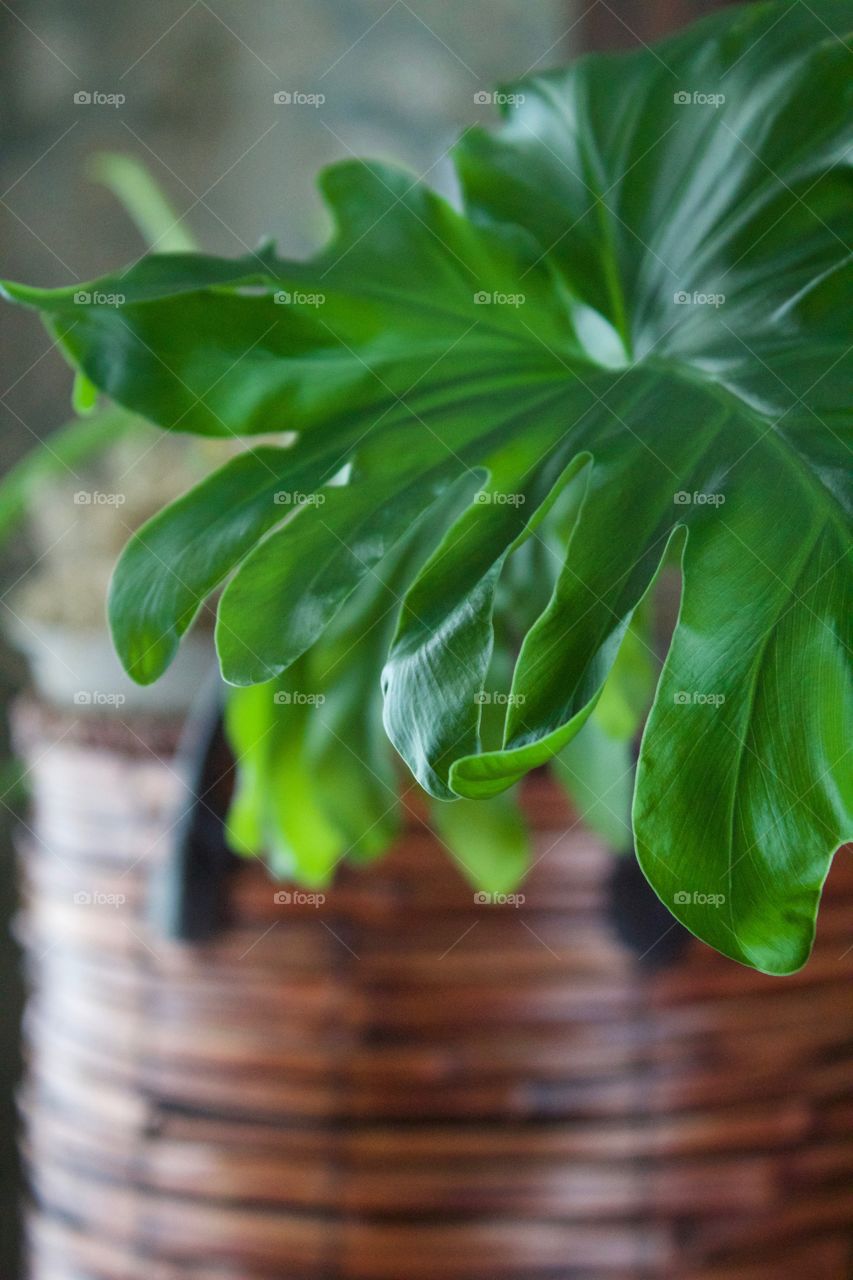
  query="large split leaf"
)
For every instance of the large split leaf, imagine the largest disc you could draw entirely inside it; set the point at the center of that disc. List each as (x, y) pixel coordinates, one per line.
(317, 779)
(645, 302)
(597, 766)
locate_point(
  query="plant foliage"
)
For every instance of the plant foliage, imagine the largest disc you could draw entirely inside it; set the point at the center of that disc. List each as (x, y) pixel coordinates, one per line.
(637, 324)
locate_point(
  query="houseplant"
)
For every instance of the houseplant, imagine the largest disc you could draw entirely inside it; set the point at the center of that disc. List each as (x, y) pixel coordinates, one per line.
(562, 1051)
(638, 315)
(349, 805)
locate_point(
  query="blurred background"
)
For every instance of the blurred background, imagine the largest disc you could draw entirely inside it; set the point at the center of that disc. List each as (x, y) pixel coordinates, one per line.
(189, 89)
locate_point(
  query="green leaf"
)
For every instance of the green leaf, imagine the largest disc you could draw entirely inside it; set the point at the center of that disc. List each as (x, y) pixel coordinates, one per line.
(488, 840)
(628, 692)
(84, 395)
(665, 334)
(597, 772)
(596, 767)
(133, 186)
(275, 808)
(285, 592)
(752, 726)
(177, 558)
(352, 766)
(322, 723)
(77, 441)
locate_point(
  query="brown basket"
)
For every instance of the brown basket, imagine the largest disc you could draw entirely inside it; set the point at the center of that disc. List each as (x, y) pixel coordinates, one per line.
(401, 1084)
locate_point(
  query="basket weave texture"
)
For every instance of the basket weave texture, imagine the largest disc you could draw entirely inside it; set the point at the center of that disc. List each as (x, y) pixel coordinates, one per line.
(401, 1083)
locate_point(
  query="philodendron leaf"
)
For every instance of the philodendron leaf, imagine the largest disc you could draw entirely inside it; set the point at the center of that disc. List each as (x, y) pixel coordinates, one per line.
(627, 696)
(597, 766)
(597, 772)
(321, 724)
(489, 841)
(646, 297)
(275, 808)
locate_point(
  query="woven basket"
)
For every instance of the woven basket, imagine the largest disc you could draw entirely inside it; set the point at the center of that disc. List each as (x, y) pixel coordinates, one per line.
(399, 1083)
